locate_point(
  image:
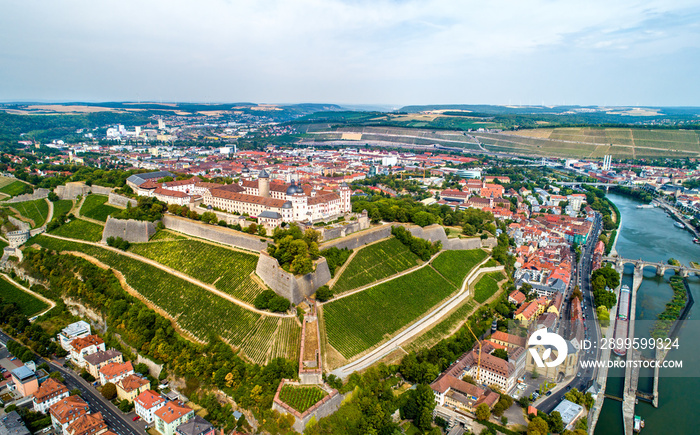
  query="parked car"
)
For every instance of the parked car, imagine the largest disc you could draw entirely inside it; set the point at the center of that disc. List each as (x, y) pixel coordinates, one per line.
(135, 418)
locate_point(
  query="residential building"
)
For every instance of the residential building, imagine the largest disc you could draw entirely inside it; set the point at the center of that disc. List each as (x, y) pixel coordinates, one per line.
(129, 387)
(80, 347)
(49, 392)
(147, 403)
(195, 426)
(95, 361)
(113, 372)
(12, 424)
(570, 412)
(25, 381)
(89, 424)
(66, 411)
(170, 416)
(71, 332)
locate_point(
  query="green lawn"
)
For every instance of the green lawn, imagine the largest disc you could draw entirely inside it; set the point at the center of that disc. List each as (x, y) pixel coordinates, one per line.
(80, 229)
(37, 211)
(13, 189)
(94, 207)
(28, 304)
(62, 206)
(375, 262)
(487, 286)
(456, 265)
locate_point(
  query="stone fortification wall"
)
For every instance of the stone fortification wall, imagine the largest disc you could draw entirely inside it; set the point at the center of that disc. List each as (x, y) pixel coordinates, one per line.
(128, 229)
(285, 284)
(99, 190)
(38, 194)
(153, 368)
(357, 240)
(79, 188)
(214, 233)
(21, 225)
(120, 201)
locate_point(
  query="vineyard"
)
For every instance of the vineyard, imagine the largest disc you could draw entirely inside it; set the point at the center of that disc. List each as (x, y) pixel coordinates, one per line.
(195, 309)
(228, 270)
(166, 235)
(36, 210)
(456, 265)
(375, 262)
(361, 320)
(300, 397)
(442, 329)
(80, 229)
(94, 207)
(13, 189)
(487, 286)
(62, 206)
(28, 304)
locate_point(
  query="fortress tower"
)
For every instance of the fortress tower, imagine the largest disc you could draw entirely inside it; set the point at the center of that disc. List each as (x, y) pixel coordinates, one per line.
(264, 184)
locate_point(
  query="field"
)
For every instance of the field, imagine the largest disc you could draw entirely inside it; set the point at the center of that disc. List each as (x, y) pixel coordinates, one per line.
(301, 398)
(487, 286)
(80, 229)
(94, 207)
(228, 270)
(28, 304)
(442, 329)
(13, 189)
(62, 206)
(375, 262)
(361, 320)
(37, 211)
(456, 265)
(195, 309)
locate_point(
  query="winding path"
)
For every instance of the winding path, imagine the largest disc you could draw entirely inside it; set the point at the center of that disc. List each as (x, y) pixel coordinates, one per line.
(36, 295)
(179, 274)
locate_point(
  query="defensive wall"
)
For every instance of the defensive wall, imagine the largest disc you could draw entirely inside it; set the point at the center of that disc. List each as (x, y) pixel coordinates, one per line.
(78, 188)
(153, 368)
(40, 193)
(323, 408)
(130, 230)
(286, 284)
(214, 233)
(120, 201)
(345, 228)
(21, 225)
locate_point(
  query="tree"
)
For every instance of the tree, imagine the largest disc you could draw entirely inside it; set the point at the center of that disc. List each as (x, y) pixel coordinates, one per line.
(324, 293)
(556, 424)
(500, 353)
(483, 413)
(537, 426)
(109, 391)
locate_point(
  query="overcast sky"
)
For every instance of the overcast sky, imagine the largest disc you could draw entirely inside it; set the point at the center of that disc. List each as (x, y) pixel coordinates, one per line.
(591, 52)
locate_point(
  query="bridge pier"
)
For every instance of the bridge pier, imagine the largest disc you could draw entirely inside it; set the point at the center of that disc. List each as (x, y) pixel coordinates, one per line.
(660, 270)
(684, 272)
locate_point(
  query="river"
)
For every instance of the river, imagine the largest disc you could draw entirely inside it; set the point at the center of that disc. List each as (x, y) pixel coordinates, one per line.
(649, 234)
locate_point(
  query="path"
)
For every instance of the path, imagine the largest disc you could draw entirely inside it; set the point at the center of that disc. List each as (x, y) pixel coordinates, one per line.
(50, 216)
(22, 217)
(36, 295)
(340, 271)
(177, 273)
(413, 330)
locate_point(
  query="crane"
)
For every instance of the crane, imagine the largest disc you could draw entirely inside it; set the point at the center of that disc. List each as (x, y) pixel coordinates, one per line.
(478, 360)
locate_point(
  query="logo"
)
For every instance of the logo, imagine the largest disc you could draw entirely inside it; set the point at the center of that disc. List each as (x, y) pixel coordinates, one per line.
(547, 339)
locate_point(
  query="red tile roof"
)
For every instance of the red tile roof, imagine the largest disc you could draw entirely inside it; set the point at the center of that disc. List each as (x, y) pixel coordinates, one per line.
(48, 390)
(149, 398)
(172, 411)
(81, 343)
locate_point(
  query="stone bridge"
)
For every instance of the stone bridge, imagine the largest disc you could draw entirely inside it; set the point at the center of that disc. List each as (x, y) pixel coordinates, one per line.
(640, 264)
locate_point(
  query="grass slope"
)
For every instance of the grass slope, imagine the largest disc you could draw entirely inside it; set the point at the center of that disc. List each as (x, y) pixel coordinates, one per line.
(448, 324)
(230, 271)
(94, 207)
(487, 286)
(62, 206)
(28, 304)
(375, 262)
(80, 229)
(456, 265)
(36, 210)
(13, 189)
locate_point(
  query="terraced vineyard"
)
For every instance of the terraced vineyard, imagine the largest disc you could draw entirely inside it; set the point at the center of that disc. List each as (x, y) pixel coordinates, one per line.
(80, 229)
(95, 207)
(14, 188)
(487, 286)
(287, 340)
(195, 309)
(361, 320)
(456, 265)
(62, 206)
(28, 304)
(300, 397)
(36, 210)
(228, 270)
(375, 262)
(166, 235)
(448, 324)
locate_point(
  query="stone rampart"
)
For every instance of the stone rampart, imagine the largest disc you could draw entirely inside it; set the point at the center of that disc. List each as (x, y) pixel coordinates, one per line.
(21, 225)
(120, 201)
(100, 190)
(285, 284)
(79, 188)
(357, 240)
(130, 230)
(153, 368)
(38, 194)
(215, 233)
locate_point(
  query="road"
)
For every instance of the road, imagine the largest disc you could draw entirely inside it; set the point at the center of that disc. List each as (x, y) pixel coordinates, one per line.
(117, 421)
(592, 329)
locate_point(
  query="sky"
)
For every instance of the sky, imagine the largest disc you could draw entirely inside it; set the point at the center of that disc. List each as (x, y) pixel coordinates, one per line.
(391, 52)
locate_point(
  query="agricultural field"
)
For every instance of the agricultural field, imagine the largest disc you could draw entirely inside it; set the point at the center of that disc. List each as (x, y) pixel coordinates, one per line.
(80, 229)
(195, 309)
(28, 304)
(361, 320)
(446, 325)
(301, 397)
(95, 207)
(375, 262)
(62, 206)
(36, 210)
(166, 235)
(13, 189)
(228, 270)
(487, 286)
(456, 265)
